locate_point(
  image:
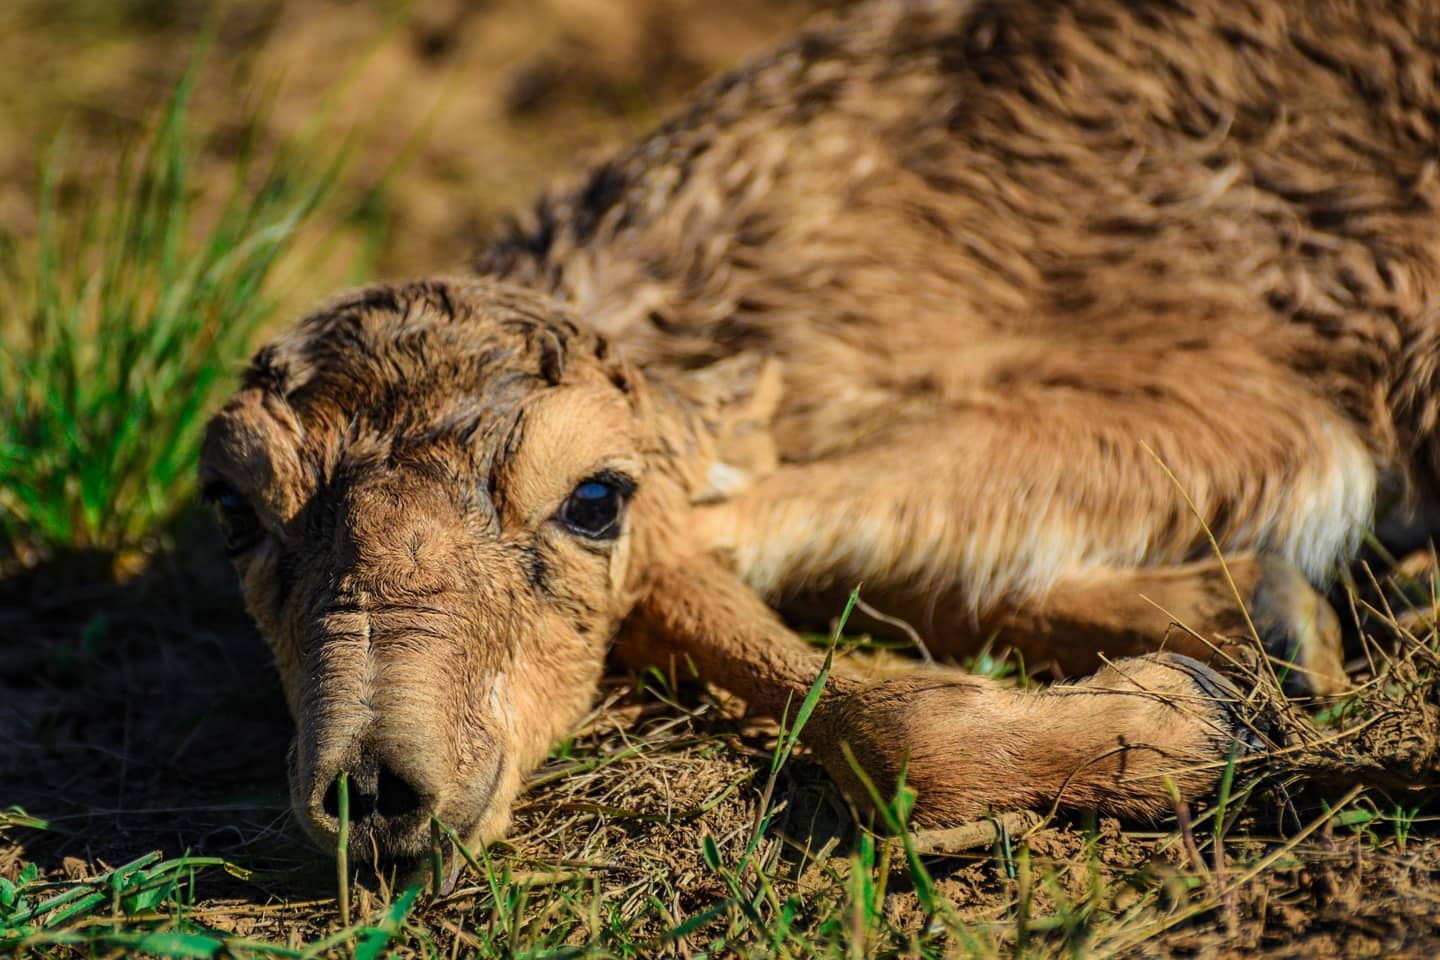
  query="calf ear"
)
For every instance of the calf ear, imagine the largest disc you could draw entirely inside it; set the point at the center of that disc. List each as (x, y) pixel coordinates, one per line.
(737, 399)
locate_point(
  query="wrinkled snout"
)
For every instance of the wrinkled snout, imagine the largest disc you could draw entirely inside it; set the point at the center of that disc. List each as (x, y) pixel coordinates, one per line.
(394, 784)
(400, 642)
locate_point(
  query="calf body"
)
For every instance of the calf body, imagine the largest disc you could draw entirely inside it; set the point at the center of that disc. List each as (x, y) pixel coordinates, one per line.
(1002, 309)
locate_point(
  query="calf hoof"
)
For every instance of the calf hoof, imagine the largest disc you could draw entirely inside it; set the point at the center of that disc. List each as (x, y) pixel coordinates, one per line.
(1185, 684)
(1299, 631)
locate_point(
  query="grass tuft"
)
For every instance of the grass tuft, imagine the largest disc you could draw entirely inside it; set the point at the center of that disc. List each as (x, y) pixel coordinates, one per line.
(124, 327)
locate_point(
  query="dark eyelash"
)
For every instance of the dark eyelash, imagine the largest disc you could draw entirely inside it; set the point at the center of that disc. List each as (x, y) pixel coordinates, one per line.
(623, 483)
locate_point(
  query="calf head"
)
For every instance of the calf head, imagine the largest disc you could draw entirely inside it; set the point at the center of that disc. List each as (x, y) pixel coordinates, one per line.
(442, 500)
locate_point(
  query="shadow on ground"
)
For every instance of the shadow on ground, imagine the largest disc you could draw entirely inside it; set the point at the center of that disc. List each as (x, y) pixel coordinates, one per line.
(142, 714)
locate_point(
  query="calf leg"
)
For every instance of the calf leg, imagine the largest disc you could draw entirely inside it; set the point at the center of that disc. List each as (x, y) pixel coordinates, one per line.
(1206, 610)
(963, 742)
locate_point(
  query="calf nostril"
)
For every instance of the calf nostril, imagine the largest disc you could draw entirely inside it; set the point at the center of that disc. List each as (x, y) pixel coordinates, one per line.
(376, 790)
(397, 796)
(331, 803)
(361, 798)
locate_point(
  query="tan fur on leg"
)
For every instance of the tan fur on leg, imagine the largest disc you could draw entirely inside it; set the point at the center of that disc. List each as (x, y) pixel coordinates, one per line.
(963, 742)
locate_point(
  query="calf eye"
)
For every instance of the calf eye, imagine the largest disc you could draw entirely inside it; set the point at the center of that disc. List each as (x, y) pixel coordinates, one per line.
(593, 508)
(238, 523)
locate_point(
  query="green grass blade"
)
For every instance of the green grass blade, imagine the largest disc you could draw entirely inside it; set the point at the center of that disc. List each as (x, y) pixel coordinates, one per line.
(377, 939)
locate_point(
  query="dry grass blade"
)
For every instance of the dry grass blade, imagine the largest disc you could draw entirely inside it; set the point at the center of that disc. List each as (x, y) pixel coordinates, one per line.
(969, 837)
(1145, 932)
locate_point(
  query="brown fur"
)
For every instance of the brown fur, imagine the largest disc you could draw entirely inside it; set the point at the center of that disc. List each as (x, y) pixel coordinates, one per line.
(961, 300)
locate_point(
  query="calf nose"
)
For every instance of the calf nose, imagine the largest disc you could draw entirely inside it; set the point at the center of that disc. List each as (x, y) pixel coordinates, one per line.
(381, 792)
(386, 794)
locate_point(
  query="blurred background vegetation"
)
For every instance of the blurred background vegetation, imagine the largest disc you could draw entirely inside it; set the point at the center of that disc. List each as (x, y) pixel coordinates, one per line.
(177, 179)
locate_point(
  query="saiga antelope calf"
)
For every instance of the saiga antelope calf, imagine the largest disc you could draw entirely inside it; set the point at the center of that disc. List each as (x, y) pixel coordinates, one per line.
(962, 300)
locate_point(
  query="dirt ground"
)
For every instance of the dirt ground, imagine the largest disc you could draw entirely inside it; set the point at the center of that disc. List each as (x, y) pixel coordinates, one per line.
(144, 715)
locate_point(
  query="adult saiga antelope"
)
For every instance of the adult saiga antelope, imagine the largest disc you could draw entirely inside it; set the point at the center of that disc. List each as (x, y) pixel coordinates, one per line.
(962, 300)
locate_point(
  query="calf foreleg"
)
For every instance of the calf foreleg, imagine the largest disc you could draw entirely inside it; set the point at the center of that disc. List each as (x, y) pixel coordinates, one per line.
(964, 743)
